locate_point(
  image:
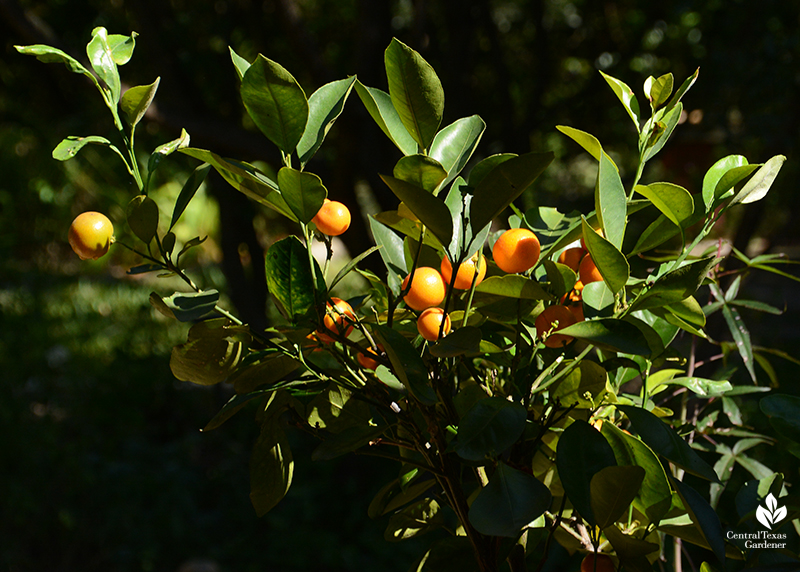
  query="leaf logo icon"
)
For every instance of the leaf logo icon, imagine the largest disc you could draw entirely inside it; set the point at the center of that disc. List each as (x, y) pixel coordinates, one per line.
(772, 514)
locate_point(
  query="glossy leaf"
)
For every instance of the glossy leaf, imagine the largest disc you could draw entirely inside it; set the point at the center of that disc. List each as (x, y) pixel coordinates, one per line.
(347, 268)
(324, 107)
(741, 335)
(421, 171)
(431, 210)
(416, 92)
(240, 64)
(136, 100)
(561, 277)
(208, 357)
(302, 191)
(49, 54)
(676, 285)
(271, 467)
(188, 191)
(188, 307)
(732, 178)
(504, 183)
(510, 501)
(415, 520)
(142, 213)
(670, 121)
(70, 146)
(490, 427)
(611, 263)
(122, 47)
(666, 442)
(612, 492)
(659, 90)
(275, 102)
(454, 145)
(662, 229)
(705, 517)
(582, 387)
(379, 106)
(626, 96)
(102, 60)
(407, 364)
(586, 140)
(486, 166)
(702, 387)
(715, 174)
(513, 286)
(165, 150)
(685, 86)
(582, 452)
(598, 300)
(391, 251)
(463, 341)
(289, 278)
(759, 184)
(674, 201)
(610, 202)
(336, 409)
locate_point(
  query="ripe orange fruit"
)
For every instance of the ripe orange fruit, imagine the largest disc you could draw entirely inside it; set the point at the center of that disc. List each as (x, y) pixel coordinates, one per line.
(599, 231)
(572, 257)
(466, 271)
(430, 321)
(367, 362)
(339, 318)
(517, 250)
(427, 289)
(90, 235)
(588, 272)
(597, 563)
(332, 219)
(554, 318)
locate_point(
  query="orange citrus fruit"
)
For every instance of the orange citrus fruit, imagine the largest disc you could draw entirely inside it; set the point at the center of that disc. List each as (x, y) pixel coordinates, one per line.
(588, 270)
(430, 321)
(554, 318)
(597, 563)
(426, 290)
(517, 250)
(333, 218)
(467, 269)
(367, 362)
(90, 235)
(572, 257)
(339, 318)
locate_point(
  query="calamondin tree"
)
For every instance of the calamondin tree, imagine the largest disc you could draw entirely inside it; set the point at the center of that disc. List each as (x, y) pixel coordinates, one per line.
(527, 382)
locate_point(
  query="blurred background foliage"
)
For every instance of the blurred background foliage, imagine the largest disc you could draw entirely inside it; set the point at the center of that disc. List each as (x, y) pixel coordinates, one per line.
(103, 466)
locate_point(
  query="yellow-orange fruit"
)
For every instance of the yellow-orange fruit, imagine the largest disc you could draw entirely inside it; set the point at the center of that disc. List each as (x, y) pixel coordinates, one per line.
(467, 269)
(426, 290)
(430, 321)
(333, 218)
(554, 318)
(572, 257)
(517, 250)
(339, 318)
(588, 272)
(367, 362)
(90, 235)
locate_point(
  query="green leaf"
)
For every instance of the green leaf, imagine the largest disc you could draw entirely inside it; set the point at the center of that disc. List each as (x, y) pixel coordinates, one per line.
(164, 150)
(631, 549)
(704, 516)
(188, 191)
(784, 414)
(268, 370)
(582, 387)
(352, 438)
(669, 122)
(421, 171)
(454, 145)
(612, 492)
(503, 184)
(732, 178)
(662, 229)
(659, 90)
(392, 496)
(271, 467)
(582, 452)
(347, 268)
(741, 335)
(759, 184)
(510, 501)
(209, 355)
(463, 341)
(486, 166)
(685, 86)
(666, 442)
(407, 364)
(275, 102)
(490, 427)
(610, 202)
(232, 407)
(290, 280)
(246, 179)
(513, 286)
(429, 209)
(379, 106)
(626, 96)
(586, 140)
(655, 496)
(415, 520)
(416, 92)
(701, 386)
(102, 60)
(135, 101)
(239, 63)
(675, 286)
(324, 107)
(611, 263)
(391, 251)
(713, 177)
(188, 307)
(674, 201)
(70, 146)
(598, 300)
(142, 213)
(49, 55)
(302, 191)
(122, 47)
(562, 278)
(335, 409)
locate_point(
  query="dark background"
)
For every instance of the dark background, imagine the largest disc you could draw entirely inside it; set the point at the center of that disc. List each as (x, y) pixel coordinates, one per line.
(103, 466)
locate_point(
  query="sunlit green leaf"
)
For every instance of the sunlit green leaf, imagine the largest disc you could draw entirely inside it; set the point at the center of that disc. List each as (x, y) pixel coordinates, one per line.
(422, 171)
(70, 146)
(302, 191)
(610, 202)
(626, 96)
(136, 100)
(379, 105)
(325, 105)
(290, 279)
(454, 145)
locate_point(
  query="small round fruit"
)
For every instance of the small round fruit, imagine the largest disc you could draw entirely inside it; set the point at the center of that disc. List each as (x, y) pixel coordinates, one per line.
(588, 271)
(597, 563)
(430, 321)
(517, 250)
(572, 257)
(90, 235)
(367, 362)
(339, 318)
(554, 318)
(467, 269)
(332, 219)
(427, 289)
